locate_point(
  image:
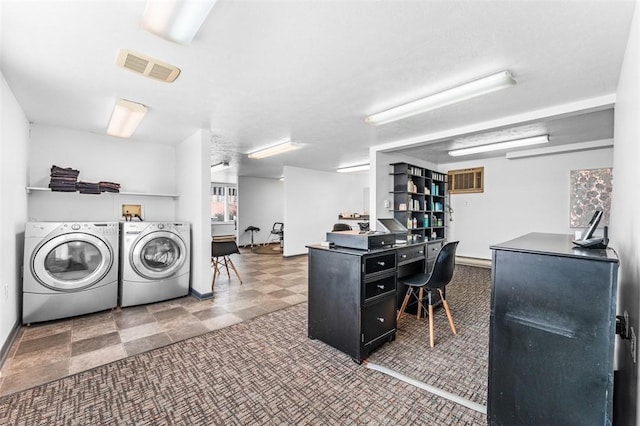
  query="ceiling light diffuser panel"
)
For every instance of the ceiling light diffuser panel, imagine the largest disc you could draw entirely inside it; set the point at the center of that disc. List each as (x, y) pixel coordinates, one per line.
(280, 148)
(461, 93)
(126, 118)
(176, 20)
(352, 169)
(536, 140)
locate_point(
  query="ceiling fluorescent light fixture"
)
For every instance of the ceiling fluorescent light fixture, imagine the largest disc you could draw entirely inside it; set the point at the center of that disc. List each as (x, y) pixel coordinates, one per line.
(561, 149)
(125, 118)
(351, 169)
(536, 140)
(461, 93)
(176, 20)
(220, 166)
(274, 150)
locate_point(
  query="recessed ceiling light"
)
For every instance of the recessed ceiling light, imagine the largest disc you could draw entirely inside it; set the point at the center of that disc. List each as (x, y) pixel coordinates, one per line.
(466, 91)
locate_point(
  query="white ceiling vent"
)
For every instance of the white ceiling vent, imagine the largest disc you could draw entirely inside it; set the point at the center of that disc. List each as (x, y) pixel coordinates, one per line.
(147, 66)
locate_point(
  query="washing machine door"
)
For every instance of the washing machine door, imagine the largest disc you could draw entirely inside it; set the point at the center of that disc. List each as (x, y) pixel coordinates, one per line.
(71, 262)
(158, 255)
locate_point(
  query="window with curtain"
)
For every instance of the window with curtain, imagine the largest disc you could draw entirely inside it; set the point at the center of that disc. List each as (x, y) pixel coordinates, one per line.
(224, 203)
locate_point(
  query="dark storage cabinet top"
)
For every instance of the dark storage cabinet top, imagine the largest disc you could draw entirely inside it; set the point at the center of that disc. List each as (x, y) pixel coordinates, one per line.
(554, 245)
(552, 334)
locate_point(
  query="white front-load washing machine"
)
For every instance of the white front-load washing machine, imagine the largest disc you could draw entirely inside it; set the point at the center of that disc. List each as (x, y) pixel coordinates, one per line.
(69, 269)
(154, 263)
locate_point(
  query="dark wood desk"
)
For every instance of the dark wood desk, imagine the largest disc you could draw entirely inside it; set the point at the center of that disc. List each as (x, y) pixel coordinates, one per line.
(353, 294)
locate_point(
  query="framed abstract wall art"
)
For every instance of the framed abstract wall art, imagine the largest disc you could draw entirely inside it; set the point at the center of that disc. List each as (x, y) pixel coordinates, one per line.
(590, 190)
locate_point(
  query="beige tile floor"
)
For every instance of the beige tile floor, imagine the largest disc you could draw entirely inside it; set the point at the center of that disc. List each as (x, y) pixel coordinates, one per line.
(55, 349)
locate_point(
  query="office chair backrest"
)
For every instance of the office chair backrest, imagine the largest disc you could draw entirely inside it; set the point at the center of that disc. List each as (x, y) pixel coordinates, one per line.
(444, 265)
(341, 227)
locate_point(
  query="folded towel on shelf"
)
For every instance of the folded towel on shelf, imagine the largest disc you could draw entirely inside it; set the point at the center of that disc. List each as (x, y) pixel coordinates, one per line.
(88, 187)
(109, 186)
(63, 179)
(64, 172)
(63, 186)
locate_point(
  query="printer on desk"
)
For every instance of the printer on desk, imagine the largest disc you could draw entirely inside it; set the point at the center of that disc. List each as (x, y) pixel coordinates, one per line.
(369, 240)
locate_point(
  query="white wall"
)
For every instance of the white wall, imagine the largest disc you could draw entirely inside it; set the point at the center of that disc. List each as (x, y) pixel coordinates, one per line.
(625, 218)
(313, 200)
(193, 183)
(520, 196)
(14, 147)
(136, 166)
(260, 203)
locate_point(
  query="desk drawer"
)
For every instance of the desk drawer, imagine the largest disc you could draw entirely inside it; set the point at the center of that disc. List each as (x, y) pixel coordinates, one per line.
(433, 249)
(408, 254)
(381, 263)
(432, 253)
(378, 319)
(378, 287)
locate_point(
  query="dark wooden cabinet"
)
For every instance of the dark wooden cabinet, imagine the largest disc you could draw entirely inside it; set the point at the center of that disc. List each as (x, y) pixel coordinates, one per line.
(352, 295)
(552, 333)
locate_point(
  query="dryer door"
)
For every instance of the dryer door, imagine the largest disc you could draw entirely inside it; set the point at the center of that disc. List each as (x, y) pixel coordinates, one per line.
(71, 262)
(158, 255)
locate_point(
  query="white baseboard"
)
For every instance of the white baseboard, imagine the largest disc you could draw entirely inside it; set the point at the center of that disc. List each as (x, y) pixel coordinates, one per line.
(473, 261)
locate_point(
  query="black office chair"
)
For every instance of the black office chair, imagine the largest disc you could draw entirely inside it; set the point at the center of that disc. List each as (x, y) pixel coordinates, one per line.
(277, 231)
(440, 276)
(220, 251)
(341, 227)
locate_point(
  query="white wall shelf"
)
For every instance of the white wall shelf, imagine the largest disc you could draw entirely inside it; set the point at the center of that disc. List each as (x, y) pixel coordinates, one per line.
(145, 194)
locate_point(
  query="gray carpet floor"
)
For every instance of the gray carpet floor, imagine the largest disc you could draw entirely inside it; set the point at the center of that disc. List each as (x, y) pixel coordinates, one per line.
(266, 371)
(457, 363)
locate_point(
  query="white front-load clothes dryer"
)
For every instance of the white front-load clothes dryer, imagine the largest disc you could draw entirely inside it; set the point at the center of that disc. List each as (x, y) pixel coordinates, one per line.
(155, 261)
(69, 269)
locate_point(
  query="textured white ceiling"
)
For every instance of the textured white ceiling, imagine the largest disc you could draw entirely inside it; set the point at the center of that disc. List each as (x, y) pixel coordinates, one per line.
(260, 71)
